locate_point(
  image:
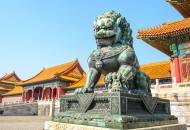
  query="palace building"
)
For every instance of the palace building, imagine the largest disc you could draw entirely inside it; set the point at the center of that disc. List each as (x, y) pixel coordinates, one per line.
(173, 39)
(62, 79)
(8, 84)
(50, 82)
(47, 84)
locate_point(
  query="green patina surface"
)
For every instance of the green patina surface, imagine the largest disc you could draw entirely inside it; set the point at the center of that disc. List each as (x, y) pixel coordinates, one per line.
(128, 102)
(115, 58)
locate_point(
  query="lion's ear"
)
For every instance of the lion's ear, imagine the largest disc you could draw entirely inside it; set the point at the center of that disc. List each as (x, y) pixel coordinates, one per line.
(120, 21)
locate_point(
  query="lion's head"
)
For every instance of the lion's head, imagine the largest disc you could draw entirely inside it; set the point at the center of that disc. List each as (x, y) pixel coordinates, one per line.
(111, 28)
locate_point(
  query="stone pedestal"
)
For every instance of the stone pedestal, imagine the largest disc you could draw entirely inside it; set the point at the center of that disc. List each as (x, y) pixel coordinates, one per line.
(49, 125)
(115, 110)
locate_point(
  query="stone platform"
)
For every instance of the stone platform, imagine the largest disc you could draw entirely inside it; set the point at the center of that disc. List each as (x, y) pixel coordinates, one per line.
(20, 109)
(49, 125)
(115, 110)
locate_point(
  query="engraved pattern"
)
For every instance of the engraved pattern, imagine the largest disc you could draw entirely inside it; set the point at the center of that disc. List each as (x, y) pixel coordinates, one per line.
(73, 105)
(99, 106)
(85, 100)
(150, 103)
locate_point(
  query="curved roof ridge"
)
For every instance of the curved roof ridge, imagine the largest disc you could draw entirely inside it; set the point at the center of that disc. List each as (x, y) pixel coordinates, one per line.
(75, 62)
(182, 6)
(61, 64)
(34, 75)
(50, 72)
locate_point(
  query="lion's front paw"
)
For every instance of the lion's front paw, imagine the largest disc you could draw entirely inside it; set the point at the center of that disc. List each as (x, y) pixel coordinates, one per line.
(87, 90)
(78, 90)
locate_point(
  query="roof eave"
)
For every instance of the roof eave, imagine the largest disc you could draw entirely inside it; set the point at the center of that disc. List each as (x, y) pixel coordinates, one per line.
(182, 7)
(155, 44)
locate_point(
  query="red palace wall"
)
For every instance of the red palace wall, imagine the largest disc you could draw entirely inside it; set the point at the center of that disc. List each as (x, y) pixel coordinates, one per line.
(185, 69)
(184, 61)
(180, 65)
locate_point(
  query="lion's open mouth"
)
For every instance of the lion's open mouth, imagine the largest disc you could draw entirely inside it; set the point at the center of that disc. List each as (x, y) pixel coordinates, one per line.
(105, 38)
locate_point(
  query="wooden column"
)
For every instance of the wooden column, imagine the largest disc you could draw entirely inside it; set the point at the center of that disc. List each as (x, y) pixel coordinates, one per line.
(49, 93)
(32, 94)
(57, 93)
(52, 91)
(26, 96)
(39, 93)
(0, 99)
(176, 69)
(43, 89)
(23, 96)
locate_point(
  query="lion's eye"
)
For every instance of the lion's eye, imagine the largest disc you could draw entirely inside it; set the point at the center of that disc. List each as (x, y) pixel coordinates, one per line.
(97, 29)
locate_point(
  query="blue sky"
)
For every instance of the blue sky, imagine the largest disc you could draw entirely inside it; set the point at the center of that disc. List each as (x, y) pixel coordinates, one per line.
(43, 33)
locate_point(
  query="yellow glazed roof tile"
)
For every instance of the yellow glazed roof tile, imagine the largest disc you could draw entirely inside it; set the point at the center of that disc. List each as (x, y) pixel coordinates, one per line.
(157, 70)
(16, 90)
(68, 78)
(166, 29)
(2, 88)
(50, 73)
(12, 77)
(183, 6)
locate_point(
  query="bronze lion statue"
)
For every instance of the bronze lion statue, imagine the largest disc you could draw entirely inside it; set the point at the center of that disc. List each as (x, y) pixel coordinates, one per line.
(115, 58)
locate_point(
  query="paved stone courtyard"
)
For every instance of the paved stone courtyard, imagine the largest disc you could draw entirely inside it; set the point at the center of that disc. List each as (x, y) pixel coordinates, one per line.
(22, 122)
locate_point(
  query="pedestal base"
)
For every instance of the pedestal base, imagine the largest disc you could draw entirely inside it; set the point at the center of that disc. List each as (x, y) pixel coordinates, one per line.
(49, 125)
(115, 110)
